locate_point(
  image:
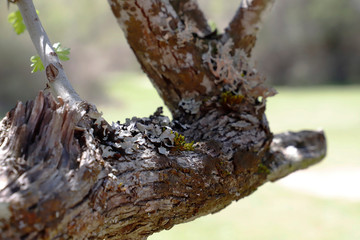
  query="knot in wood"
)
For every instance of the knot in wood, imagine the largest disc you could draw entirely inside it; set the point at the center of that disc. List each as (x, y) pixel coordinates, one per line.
(51, 72)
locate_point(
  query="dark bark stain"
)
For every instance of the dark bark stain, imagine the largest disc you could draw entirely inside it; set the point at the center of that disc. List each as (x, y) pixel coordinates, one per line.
(245, 161)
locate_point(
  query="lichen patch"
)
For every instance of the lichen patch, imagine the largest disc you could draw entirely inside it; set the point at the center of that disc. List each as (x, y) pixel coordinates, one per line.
(139, 135)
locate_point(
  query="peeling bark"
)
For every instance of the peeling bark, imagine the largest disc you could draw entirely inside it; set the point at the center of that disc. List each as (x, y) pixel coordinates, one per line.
(65, 174)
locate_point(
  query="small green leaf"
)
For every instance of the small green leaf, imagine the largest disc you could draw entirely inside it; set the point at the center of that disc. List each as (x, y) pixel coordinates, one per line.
(36, 64)
(16, 20)
(212, 25)
(61, 52)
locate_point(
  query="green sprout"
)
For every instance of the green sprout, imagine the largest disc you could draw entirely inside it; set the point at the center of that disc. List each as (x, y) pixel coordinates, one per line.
(180, 143)
(16, 20)
(230, 99)
(36, 64)
(263, 169)
(61, 52)
(212, 25)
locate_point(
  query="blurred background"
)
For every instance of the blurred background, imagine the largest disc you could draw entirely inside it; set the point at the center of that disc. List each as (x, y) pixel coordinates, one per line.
(310, 52)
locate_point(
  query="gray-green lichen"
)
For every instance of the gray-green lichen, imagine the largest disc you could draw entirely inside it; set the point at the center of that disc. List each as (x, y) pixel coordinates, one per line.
(137, 134)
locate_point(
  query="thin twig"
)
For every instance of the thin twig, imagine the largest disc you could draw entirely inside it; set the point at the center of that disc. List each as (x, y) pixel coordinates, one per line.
(58, 81)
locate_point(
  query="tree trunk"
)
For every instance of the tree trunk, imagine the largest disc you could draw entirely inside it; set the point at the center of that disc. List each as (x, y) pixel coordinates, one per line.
(65, 174)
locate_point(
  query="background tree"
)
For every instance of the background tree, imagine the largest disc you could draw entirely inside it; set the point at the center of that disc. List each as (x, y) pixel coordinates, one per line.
(68, 173)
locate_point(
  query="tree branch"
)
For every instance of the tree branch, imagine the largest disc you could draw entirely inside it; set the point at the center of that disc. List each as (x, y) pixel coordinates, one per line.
(190, 14)
(55, 73)
(294, 151)
(59, 181)
(165, 47)
(246, 23)
(187, 71)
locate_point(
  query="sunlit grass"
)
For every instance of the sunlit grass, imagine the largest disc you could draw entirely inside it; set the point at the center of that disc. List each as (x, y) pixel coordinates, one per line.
(273, 212)
(326, 107)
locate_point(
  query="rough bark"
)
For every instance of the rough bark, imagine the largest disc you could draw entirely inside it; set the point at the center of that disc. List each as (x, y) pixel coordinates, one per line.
(186, 68)
(246, 23)
(60, 181)
(61, 177)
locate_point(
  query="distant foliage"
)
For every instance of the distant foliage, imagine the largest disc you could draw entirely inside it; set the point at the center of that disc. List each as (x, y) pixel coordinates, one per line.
(303, 42)
(311, 43)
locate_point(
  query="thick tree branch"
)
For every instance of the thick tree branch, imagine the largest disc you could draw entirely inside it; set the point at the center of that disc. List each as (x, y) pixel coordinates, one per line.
(243, 29)
(165, 47)
(55, 73)
(186, 70)
(60, 181)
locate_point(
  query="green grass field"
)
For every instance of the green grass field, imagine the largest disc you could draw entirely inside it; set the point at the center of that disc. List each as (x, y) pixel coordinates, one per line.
(274, 212)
